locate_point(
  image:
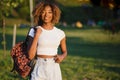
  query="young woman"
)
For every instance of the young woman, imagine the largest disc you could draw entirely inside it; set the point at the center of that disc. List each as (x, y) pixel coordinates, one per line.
(47, 39)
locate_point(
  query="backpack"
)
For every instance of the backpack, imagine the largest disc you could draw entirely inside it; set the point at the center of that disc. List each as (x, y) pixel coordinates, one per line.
(19, 53)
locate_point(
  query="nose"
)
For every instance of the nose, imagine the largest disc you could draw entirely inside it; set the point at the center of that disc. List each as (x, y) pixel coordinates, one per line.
(46, 13)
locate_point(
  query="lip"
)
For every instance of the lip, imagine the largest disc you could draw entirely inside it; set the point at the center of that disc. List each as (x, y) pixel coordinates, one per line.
(47, 18)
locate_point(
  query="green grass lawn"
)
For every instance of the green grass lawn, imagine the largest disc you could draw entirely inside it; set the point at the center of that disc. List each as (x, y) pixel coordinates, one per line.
(93, 54)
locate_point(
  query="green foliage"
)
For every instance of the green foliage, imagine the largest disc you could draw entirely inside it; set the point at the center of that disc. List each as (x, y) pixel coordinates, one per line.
(3, 43)
(6, 7)
(73, 3)
(24, 12)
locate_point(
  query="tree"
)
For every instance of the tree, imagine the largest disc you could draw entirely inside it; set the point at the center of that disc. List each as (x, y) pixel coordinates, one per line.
(113, 5)
(6, 6)
(107, 3)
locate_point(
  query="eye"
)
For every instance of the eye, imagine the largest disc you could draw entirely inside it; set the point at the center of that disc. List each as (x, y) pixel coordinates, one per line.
(50, 12)
(43, 12)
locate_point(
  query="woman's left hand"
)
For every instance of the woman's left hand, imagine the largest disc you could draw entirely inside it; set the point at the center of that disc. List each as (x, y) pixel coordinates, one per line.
(59, 58)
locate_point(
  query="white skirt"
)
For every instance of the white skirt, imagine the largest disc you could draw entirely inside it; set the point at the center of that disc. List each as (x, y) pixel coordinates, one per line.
(46, 69)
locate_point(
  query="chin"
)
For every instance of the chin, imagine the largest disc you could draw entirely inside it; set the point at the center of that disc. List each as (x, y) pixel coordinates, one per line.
(47, 21)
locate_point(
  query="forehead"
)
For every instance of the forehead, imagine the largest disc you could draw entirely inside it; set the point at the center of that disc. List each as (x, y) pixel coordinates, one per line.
(47, 7)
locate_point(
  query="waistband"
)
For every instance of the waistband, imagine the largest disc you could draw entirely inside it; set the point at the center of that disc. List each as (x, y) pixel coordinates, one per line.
(46, 56)
(46, 59)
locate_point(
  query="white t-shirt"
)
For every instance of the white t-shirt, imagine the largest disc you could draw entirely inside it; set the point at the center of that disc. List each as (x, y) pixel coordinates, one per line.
(48, 41)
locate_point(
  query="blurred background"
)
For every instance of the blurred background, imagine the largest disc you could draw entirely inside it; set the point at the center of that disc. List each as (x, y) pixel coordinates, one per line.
(92, 29)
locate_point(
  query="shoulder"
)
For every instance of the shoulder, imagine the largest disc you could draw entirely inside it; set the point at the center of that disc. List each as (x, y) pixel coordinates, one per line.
(59, 30)
(60, 33)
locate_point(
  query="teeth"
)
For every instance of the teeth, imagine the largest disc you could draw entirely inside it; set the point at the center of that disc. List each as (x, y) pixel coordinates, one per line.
(46, 18)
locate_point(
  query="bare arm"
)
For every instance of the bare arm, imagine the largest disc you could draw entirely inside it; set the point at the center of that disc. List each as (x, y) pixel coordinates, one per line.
(59, 58)
(33, 48)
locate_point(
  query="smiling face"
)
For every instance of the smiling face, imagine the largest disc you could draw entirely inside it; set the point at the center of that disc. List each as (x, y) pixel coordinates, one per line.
(47, 15)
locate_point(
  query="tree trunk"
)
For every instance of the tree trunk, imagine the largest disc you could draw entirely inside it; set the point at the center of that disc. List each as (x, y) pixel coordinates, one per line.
(4, 39)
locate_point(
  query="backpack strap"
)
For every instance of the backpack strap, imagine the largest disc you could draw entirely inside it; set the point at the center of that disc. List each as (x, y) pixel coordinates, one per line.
(13, 67)
(28, 41)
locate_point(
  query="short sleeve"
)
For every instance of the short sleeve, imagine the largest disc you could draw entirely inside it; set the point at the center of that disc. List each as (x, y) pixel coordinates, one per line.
(62, 35)
(31, 32)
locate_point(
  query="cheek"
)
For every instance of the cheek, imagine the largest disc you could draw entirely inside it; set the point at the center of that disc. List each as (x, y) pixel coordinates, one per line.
(51, 15)
(42, 15)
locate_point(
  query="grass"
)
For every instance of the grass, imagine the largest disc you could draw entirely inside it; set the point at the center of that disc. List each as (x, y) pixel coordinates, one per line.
(93, 54)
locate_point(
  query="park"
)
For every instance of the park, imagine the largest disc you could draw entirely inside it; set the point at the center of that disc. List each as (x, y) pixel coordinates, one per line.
(93, 45)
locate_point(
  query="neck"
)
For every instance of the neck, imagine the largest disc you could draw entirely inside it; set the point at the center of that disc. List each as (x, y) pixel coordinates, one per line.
(47, 26)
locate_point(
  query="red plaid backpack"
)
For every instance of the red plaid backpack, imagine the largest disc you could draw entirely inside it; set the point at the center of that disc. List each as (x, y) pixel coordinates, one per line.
(19, 53)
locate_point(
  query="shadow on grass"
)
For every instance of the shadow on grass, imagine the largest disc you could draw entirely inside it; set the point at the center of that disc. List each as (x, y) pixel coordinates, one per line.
(78, 47)
(102, 53)
(109, 68)
(9, 41)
